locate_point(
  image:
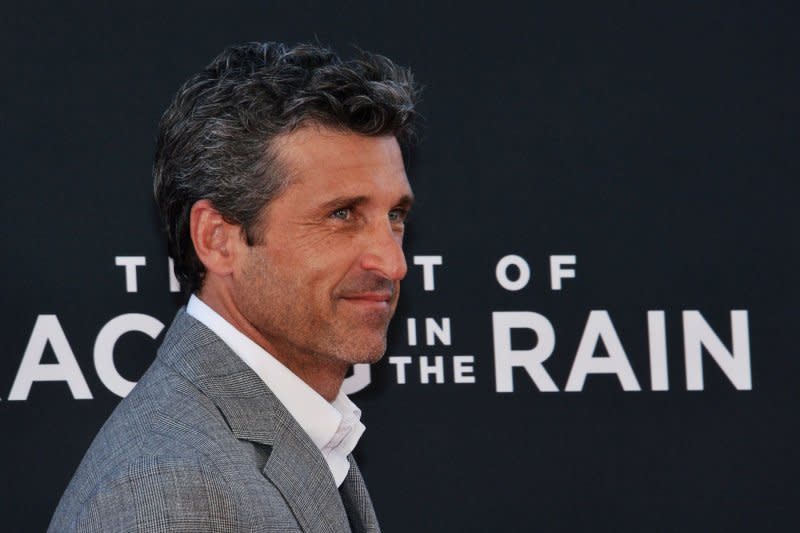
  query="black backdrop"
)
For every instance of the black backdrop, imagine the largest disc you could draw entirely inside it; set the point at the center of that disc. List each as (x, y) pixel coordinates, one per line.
(658, 145)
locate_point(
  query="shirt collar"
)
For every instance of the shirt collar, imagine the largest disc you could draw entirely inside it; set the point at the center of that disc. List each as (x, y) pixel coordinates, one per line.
(334, 428)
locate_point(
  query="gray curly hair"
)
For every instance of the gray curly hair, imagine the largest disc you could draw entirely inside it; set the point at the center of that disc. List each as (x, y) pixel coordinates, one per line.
(215, 138)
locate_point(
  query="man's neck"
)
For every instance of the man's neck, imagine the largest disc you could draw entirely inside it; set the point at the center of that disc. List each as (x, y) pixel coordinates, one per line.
(322, 374)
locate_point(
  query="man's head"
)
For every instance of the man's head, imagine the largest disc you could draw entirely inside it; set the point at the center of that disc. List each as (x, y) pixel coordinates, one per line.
(216, 140)
(281, 182)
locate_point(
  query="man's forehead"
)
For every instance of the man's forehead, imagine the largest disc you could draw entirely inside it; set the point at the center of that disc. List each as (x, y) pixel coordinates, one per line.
(312, 148)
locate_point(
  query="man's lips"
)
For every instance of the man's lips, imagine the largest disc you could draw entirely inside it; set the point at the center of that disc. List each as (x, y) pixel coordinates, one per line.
(377, 297)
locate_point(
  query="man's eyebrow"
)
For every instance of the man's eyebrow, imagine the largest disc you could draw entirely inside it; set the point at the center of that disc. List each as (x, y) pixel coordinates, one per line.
(406, 201)
(343, 201)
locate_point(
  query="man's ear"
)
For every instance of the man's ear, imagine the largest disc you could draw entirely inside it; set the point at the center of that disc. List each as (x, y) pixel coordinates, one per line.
(216, 242)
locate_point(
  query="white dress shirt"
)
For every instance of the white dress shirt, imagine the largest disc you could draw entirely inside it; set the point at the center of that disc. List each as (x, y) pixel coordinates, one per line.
(334, 427)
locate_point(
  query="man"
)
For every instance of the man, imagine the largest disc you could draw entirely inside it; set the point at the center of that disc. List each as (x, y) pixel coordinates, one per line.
(281, 183)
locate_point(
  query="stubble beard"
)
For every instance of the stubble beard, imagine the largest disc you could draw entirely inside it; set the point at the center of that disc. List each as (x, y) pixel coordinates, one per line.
(350, 339)
(299, 332)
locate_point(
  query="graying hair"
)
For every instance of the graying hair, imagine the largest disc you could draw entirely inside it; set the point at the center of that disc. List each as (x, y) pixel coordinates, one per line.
(215, 138)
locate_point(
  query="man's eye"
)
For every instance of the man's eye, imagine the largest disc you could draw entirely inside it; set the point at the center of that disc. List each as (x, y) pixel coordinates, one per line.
(341, 214)
(397, 215)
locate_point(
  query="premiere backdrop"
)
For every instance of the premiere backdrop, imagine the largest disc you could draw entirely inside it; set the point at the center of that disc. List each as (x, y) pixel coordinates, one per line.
(598, 330)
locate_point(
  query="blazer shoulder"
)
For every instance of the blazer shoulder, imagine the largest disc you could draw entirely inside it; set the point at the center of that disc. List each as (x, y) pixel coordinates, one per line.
(173, 457)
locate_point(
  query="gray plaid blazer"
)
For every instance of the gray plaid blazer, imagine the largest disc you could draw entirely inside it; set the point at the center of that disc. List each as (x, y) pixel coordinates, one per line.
(201, 444)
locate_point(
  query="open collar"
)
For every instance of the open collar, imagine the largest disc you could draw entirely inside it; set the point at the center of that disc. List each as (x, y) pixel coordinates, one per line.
(334, 427)
(253, 413)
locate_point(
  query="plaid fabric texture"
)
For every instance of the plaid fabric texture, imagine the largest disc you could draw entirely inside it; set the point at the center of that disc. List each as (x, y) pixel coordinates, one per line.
(201, 444)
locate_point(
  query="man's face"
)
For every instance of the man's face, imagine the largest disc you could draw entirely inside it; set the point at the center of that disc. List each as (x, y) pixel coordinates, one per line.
(324, 279)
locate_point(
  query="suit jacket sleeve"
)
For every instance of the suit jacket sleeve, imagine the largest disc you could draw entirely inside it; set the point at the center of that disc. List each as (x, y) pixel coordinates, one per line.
(157, 494)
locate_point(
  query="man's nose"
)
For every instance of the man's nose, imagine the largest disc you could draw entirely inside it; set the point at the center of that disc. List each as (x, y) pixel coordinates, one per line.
(383, 253)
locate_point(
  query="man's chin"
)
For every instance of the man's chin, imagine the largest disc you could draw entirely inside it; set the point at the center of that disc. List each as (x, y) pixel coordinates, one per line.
(368, 354)
(373, 358)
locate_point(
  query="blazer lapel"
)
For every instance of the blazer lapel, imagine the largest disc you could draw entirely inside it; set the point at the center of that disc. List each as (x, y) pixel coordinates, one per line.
(295, 465)
(357, 501)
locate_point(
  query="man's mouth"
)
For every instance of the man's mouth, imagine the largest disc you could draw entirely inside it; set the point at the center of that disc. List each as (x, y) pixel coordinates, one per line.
(376, 297)
(370, 293)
